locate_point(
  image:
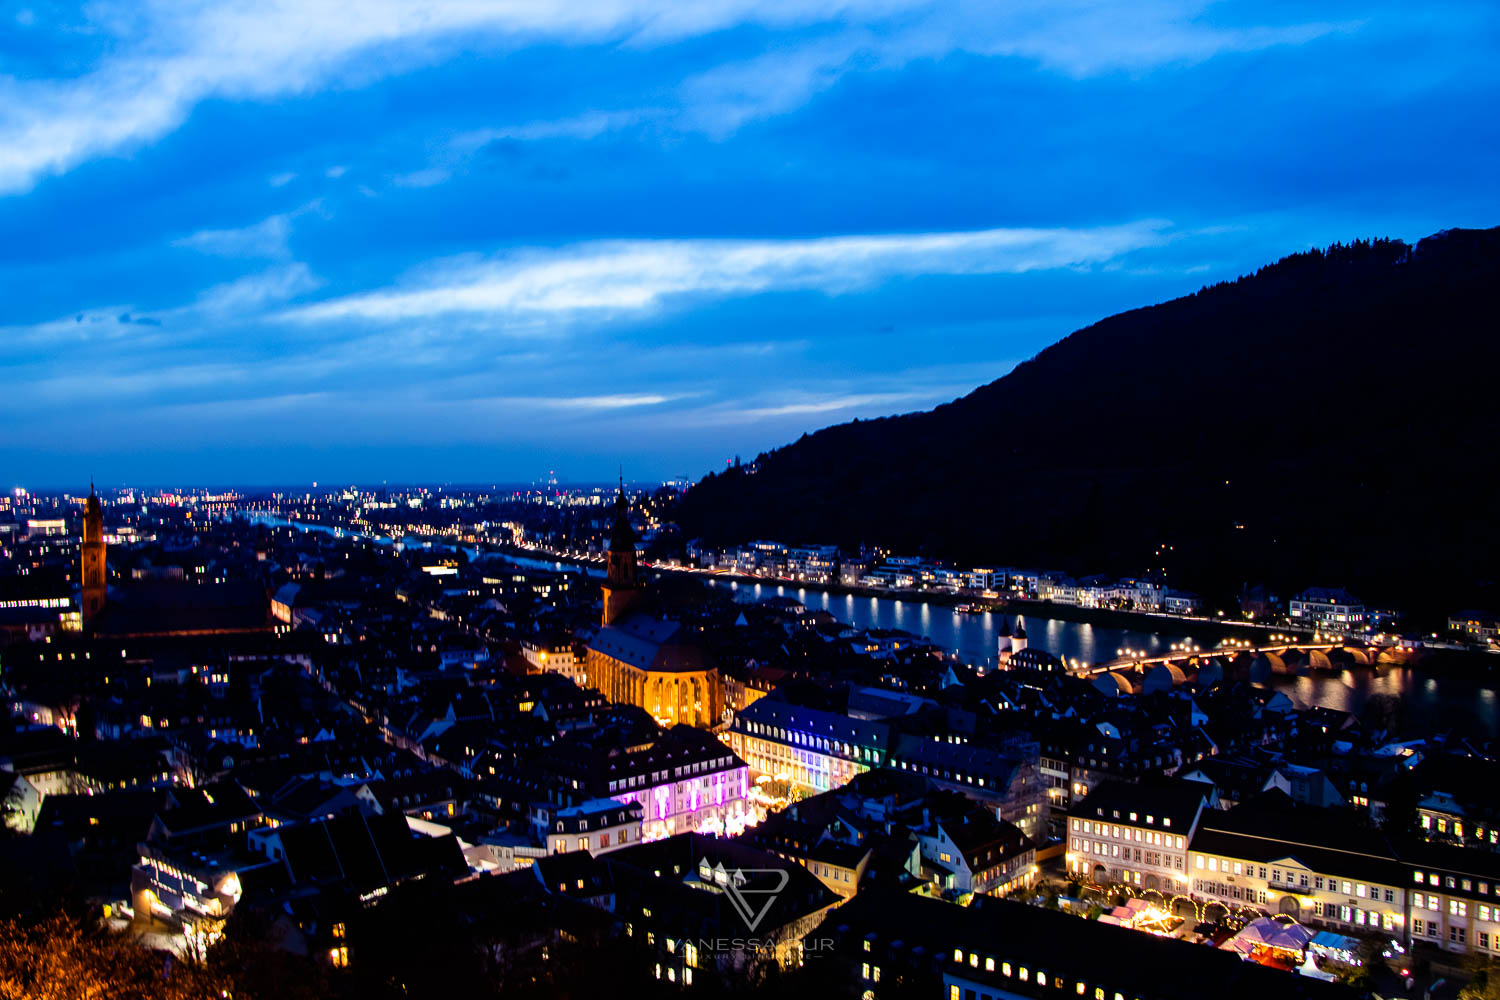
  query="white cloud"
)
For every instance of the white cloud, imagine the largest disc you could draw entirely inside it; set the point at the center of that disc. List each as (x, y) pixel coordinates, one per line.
(1079, 38)
(283, 179)
(428, 177)
(258, 291)
(584, 126)
(267, 238)
(171, 55)
(618, 401)
(168, 56)
(634, 275)
(829, 404)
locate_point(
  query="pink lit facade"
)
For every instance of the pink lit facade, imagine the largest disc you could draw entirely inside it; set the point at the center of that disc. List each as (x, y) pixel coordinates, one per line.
(718, 802)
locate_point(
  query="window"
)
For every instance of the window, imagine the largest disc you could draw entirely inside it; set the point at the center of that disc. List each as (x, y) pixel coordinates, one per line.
(339, 957)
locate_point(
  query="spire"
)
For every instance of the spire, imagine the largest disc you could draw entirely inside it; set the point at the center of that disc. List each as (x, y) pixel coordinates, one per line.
(622, 535)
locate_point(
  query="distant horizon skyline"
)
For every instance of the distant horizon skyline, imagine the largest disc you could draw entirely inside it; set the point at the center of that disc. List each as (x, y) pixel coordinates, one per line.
(75, 492)
(281, 242)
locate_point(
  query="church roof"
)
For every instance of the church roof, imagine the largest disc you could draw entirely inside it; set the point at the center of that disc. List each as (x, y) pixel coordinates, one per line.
(649, 644)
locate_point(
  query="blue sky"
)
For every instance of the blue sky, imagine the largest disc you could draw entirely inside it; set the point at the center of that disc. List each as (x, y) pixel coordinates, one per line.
(473, 241)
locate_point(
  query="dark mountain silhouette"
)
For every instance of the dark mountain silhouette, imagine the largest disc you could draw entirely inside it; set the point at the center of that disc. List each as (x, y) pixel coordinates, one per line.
(1330, 419)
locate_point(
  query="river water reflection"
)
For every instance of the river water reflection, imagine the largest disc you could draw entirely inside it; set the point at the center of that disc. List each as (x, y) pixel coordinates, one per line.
(1431, 704)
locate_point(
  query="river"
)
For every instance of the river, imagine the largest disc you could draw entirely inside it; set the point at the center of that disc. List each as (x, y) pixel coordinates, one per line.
(1430, 703)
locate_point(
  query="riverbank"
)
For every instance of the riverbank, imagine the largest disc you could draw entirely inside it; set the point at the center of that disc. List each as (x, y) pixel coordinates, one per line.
(1135, 621)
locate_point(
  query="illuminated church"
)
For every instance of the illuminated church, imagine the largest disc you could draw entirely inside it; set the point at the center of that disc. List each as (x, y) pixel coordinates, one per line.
(639, 659)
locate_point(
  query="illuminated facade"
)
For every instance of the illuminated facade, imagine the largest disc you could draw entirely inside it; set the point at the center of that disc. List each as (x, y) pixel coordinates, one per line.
(684, 779)
(1455, 899)
(806, 747)
(190, 889)
(1138, 835)
(1330, 609)
(1347, 890)
(553, 654)
(707, 802)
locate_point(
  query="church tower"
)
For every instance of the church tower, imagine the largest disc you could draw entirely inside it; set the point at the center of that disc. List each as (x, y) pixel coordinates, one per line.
(92, 598)
(621, 585)
(1018, 641)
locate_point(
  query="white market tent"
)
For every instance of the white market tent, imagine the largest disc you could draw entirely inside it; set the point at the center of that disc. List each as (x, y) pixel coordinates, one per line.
(1268, 932)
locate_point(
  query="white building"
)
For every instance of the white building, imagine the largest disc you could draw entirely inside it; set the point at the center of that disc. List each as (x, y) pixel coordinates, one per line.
(597, 826)
(1135, 834)
(554, 654)
(1329, 609)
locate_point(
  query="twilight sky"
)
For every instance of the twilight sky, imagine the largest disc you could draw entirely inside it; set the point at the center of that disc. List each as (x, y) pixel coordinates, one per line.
(474, 240)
